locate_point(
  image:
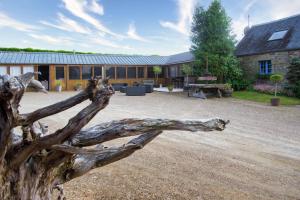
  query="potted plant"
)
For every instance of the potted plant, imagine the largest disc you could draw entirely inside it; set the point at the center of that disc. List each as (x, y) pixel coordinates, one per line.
(78, 86)
(276, 78)
(157, 71)
(170, 87)
(228, 90)
(58, 85)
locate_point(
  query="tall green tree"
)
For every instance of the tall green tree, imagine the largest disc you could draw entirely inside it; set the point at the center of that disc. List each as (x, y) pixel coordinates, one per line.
(212, 41)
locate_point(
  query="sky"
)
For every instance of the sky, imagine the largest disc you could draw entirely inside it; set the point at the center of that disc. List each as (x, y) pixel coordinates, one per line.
(147, 27)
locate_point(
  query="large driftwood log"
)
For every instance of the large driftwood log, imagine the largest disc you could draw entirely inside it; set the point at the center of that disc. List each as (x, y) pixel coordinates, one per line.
(34, 162)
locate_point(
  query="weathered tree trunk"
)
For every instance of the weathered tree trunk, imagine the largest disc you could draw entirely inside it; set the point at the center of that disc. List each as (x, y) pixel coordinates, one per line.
(34, 162)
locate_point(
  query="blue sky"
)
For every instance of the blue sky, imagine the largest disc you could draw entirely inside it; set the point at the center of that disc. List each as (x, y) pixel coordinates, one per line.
(121, 26)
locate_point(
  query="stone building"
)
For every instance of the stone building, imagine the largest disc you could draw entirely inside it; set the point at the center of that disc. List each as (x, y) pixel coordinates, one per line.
(268, 48)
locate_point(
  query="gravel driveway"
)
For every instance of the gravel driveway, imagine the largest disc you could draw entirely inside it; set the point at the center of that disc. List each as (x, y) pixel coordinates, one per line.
(256, 157)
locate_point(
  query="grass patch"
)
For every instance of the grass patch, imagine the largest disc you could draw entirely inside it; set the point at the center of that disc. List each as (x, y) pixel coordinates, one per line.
(264, 98)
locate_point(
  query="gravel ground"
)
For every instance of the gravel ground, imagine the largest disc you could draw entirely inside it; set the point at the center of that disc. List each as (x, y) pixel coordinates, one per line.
(256, 157)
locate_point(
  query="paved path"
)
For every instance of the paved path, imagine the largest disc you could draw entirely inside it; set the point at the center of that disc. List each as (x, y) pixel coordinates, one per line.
(256, 157)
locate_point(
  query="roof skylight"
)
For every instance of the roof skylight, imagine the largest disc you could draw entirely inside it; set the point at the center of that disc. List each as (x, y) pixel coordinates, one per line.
(278, 35)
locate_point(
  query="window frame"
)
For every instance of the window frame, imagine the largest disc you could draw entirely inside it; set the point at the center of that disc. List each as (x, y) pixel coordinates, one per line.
(138, 72)
(74, 66)
(117, 72)
(16, 66)
(64, 75)
(28, 67)
(128, 74)
(265, 67)
(96, 67)
(82, 72)
(113, 70)
(5, 69)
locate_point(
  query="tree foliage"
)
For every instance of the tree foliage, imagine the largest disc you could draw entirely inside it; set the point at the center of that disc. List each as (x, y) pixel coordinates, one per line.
(293, 76)
(212, 41)
(187, 69)
(157, 71)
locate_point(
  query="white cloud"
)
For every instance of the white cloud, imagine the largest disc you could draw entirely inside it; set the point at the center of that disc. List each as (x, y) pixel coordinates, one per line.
(132, 34)
(185, 8)
(67, 24)
(240, 24)
(79, 9)
(95, 7)
(275, 10)
(281, 9)
(50, 39)
(107, 43)
(6, 21)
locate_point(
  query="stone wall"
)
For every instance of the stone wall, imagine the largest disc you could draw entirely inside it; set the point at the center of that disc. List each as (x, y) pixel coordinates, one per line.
(280, 62)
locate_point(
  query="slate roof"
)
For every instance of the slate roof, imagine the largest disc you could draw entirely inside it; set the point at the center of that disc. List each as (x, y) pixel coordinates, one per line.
(90, 59)
(256, 39)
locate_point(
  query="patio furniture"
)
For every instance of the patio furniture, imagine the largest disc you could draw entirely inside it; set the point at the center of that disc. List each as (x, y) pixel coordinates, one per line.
(123, 89)
(149, 88)
(203, 90)
(148, 82)
(135, 91)
(117, 86)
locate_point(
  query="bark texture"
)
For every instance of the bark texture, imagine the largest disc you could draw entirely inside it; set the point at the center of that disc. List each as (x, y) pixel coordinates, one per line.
(34, 162)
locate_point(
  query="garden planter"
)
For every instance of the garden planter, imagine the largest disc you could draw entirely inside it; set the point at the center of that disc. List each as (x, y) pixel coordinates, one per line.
(58, 88)
(275, 101)
(227, 93)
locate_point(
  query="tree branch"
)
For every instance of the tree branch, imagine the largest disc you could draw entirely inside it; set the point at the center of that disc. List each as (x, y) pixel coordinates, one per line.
(100, 96)
(147, 130)
(84, 163)
(130, 127)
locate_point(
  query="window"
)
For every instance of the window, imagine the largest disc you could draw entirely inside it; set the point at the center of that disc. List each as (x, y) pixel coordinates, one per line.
(173, 71)
(278, 35)
(3, 70)
(74, 73)
(97, 71)
(15, 70)
(140, 72)
(150, 72)
(111, 72)
(121, 72)
(86, 72)
(131, 72)
(27, 69)
(265, 67)
(59, 73)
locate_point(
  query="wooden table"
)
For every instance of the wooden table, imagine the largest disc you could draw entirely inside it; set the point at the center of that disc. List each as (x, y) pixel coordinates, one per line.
(196, 90)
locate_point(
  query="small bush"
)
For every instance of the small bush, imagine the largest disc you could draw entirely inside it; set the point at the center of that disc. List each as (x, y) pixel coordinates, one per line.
(263, 76)
(296, 89)
(240, 84)
(276, 78)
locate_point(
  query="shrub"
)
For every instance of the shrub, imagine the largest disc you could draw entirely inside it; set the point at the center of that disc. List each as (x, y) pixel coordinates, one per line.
(264, 88)
(293, 76)
(240, 84)
(296, 89)
(263, 76)
(58, 83)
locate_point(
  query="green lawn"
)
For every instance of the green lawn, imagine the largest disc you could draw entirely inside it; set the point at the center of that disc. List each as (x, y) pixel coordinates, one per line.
(264, 98)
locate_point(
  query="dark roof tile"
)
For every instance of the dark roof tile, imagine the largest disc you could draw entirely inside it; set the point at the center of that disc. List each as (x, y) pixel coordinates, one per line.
(256, 40)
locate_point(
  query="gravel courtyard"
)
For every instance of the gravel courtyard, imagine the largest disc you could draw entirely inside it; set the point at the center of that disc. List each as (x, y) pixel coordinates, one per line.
(256, 157)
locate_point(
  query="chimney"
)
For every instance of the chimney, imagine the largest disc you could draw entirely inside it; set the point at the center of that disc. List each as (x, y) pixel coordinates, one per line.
(247, 28)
